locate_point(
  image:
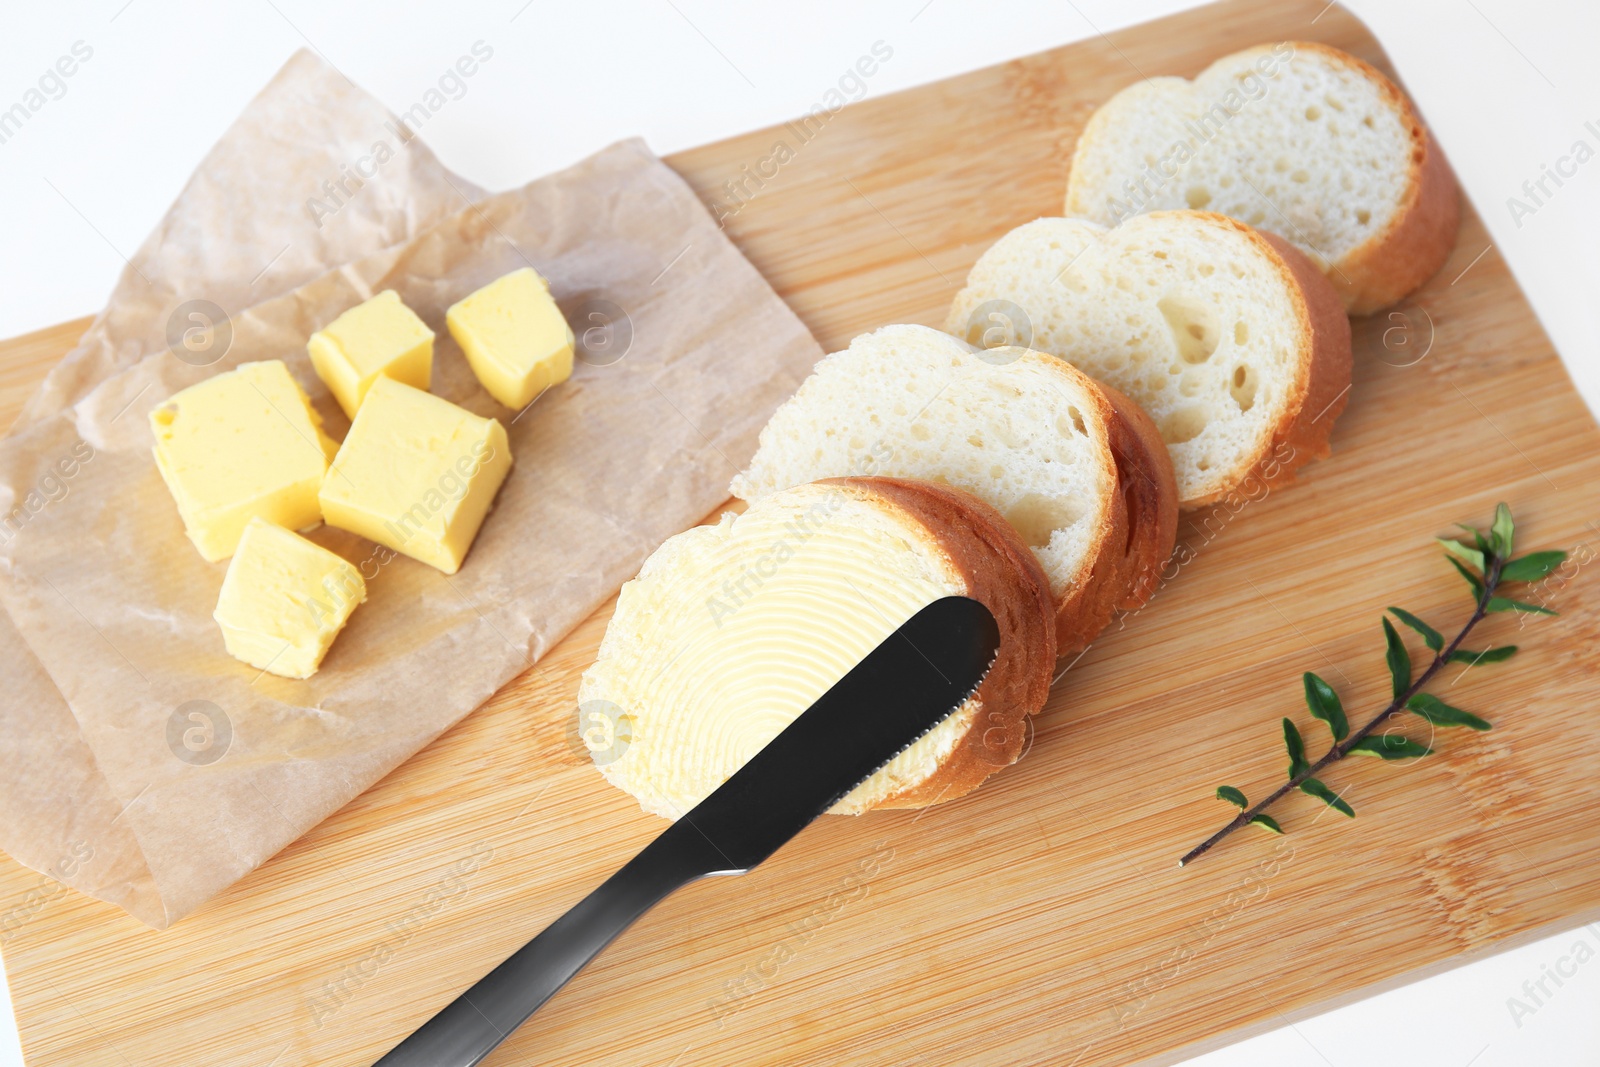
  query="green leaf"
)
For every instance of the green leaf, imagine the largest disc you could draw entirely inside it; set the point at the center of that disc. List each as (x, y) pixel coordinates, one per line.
(1296, 748)
(1439, 713)
(1472, 579)
(1232, 796)
(1315, 788)
(1500, 603)
(1399, 660)
(1390, 747)
(1477, 536)
(1462, 552)
(1492, 655)
(1324, 705)
(1266, 822)
(1434, 638)
(1532, 567)
(1500, 534)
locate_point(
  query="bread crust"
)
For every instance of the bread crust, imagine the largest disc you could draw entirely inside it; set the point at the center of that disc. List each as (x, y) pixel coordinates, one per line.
(1302, 433)
(1001, 573)
(1149, 489)
(1391, 264)
(1141, 520)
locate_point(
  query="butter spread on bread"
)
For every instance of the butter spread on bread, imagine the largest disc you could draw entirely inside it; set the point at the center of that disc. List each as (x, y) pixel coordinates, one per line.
(732, 630)
(1230, 339)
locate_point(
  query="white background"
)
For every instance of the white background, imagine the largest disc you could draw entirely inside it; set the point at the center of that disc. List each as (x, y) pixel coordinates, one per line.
(1507, 86)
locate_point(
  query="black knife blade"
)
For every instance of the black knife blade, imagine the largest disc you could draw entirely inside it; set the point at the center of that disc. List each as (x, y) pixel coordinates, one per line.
(901, 690)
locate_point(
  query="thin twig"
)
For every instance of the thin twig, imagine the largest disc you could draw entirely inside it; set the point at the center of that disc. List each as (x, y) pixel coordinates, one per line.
(1491, 579)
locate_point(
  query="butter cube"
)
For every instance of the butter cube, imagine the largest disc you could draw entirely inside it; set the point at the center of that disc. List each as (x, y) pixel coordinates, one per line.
(416, 473)
(514, 337)
(242, 444)
(381, 338)
(284, 600)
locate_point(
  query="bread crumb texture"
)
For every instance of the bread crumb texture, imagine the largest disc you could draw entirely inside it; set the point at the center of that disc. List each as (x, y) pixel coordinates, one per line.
(1191, 315)
(1020, 430)
(1319, 149)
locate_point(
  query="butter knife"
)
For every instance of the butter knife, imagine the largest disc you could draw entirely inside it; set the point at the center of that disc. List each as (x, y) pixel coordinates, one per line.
(901, 690)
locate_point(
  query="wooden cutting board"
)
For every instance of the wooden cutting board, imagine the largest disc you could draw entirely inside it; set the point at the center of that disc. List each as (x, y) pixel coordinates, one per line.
(1043, 919)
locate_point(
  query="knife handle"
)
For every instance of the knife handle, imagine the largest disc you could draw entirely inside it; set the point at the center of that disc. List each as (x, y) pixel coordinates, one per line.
(472, 1025)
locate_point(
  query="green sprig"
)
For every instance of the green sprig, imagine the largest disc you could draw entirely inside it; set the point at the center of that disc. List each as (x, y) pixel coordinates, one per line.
(1486, 564)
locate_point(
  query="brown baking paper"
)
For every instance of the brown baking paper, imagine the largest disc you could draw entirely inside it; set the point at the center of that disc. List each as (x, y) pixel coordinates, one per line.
(203, 249)
(115, 604)
(57, 814)
(251, 224)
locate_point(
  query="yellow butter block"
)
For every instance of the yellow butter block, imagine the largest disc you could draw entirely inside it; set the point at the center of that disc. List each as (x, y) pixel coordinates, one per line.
(514, 337)
(381, 338)
(284, 600)
(416, 473)
(241, 444)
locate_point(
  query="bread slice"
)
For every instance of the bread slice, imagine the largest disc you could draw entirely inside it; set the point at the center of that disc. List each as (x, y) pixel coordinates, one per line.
(1077, 468)
(1296, 138)
(732, 630)
(1230, 339)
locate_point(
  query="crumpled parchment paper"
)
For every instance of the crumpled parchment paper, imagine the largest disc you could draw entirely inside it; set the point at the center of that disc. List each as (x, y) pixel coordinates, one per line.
(138, 761)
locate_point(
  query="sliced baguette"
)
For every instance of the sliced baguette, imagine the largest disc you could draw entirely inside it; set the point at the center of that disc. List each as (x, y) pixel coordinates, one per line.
(1077, 468)
(1296, 138)
(732, 630)
(1230, 339)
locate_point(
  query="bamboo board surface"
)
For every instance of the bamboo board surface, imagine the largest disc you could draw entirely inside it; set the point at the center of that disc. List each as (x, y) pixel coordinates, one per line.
(1041, 920)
